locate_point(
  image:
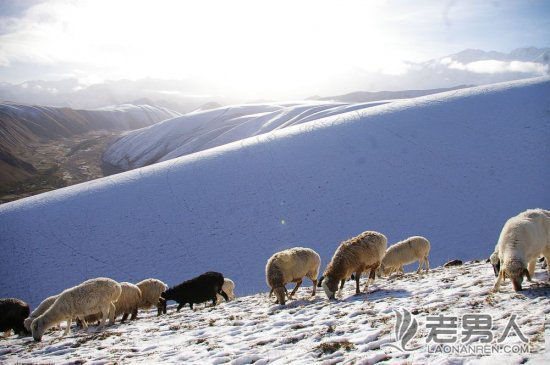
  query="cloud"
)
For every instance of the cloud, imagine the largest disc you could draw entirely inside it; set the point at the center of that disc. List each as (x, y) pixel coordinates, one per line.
(496, 67)
(4, 61)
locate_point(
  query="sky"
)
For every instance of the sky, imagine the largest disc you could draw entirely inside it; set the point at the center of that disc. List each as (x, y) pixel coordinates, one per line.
(241, 45)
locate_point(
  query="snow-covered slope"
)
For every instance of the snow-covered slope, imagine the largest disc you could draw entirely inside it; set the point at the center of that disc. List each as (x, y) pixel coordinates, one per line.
(198, 131)
(353, 330)
(452, 167)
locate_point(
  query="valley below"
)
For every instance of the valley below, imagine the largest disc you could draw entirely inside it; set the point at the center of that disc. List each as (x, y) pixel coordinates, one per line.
(61, 162)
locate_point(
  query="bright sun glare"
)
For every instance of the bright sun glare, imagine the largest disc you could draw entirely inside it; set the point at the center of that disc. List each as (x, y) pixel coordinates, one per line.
(239, 45)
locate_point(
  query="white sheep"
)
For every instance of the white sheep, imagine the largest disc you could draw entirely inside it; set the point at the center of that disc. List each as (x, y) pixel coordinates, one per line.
(89, 297)
(127, 303)
(42, 307)
(151, 289)
(405, 252)
(291, 265)
(522, 240)
(356, 255)
(228, 288)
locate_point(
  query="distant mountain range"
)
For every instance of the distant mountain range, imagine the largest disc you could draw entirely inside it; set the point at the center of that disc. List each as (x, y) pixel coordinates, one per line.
(367, 96)
(179, 95)
(468, 67)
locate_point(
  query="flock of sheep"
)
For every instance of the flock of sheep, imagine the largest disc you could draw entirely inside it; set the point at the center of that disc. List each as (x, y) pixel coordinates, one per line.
(524, 238)
(100, 299)
(365, 253)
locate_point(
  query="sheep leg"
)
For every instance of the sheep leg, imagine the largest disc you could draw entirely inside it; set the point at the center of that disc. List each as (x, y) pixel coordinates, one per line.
(124, 317)
(298, 283)
(357, 277)
(427, 263)
(67, 327)
(112, 314)
(500, 278)
(372, 276)
(104, 316)
(531, 268)
(134, 314)
(191, 306)
(161, 307)
(342, 282)
(314, 281)
(180, 306)
(420, 262)
(82, 322)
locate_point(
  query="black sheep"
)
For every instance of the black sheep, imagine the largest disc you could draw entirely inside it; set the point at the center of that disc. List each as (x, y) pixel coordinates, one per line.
(197, 290)
(12, 315)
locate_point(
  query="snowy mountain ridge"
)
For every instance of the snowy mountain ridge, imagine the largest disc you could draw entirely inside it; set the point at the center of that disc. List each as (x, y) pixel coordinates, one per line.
(198, 131)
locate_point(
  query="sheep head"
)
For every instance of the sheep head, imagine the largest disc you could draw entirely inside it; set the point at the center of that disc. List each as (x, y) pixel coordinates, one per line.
(280, 294)
(38, 329)
(495, 261)
(516, 271)
(330, 286)
(383, 270)
(161, 306)
(165, 296)
(27, 323)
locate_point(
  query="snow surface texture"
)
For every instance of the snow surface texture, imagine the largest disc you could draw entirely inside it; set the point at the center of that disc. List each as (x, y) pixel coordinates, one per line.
(202, 130)
(311, 330)
(451, 167)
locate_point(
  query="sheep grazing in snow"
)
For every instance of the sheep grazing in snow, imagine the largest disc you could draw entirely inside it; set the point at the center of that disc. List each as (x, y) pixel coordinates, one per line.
(46, 303)
(197, 290)
(151, 289)
(291, 266)
(228, 288)
(356, 255)
(12, 315)
(92, 296)
(405, 252)
(127, 303)
(522, 240)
